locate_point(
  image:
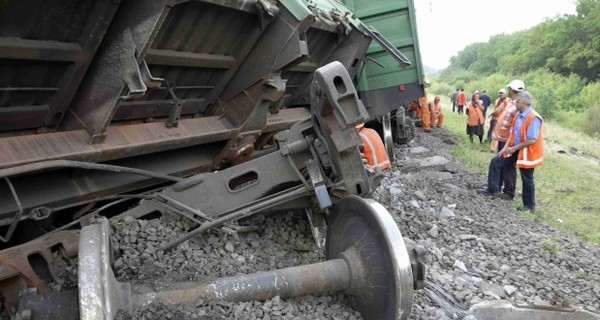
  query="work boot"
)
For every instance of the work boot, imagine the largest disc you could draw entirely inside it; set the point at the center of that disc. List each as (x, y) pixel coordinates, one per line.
(486, 192)
(505, 196)
(526, 208)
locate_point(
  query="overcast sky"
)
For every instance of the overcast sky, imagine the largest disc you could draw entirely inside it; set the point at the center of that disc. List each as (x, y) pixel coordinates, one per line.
(447, 26)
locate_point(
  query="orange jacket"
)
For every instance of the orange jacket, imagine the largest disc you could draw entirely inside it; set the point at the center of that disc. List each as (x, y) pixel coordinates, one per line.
(374, 149)
(423, 101)
(533, 155)
(461, 98)
(475, 115)
(436, 106)
(505, 121)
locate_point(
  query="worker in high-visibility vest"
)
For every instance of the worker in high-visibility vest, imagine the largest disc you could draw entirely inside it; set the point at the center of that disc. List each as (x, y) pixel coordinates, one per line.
(425, 107)
(373, 148)
(436, 113)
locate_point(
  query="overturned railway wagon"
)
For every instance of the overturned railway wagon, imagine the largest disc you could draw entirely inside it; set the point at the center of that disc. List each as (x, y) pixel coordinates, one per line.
(215, 110)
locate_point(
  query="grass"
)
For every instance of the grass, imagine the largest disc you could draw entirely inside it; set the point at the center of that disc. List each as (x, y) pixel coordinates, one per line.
(582, 275)
(567, 185)
(551, 247)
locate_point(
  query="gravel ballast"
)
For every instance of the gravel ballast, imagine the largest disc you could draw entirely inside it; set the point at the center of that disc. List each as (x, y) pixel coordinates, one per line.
(477, 248)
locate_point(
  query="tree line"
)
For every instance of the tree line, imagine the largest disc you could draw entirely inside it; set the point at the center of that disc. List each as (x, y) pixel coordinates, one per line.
(559, 60)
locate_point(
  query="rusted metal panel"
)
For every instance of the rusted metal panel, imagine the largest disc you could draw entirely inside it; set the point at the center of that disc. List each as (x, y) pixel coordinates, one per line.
(191, 48)
(129, 140)
(117, 66)
(122, 141)
(44, 54)
(17, 258)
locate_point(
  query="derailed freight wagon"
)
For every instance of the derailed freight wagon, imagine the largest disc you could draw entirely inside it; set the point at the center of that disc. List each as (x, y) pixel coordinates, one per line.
(214, 110)
(390, 79)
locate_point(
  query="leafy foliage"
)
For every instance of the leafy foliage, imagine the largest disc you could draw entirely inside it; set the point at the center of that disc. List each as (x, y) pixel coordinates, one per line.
(558, 59)
(564, 45)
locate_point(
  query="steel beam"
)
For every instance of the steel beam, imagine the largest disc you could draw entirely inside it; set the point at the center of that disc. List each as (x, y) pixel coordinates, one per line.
(189, 59)
(25, 49)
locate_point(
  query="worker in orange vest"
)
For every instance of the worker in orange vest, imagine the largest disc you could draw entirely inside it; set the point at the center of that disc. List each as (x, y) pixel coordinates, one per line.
(475, 118)
(436, 113)
(425, 107)
(414, 106)
(524, 150)
(373, 148)
(461, 99)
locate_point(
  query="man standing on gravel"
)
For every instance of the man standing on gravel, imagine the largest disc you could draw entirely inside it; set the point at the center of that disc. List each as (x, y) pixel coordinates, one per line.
(506, 176)
(524, 149)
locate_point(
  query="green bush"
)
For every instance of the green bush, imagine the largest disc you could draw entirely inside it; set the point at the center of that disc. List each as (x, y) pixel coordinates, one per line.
(590, 95)
(440, 88)
(574, 120)
(592, 122)
(563, 99)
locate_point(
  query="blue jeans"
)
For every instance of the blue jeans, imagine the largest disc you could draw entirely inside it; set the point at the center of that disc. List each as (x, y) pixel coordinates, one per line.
(528, 187)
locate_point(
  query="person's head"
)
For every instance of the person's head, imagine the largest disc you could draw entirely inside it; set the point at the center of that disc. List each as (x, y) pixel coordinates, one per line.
(515, 87)
(462, 89)
(523, 100)
(483, 91)
(475, 97)
(456, 89)
(437, 99)
(502, 93)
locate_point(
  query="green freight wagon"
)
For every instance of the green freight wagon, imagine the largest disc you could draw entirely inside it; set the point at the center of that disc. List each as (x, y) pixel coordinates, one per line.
(384, 84)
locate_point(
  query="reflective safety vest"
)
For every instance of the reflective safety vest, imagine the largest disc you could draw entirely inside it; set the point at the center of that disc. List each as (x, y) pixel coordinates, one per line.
(436, 107)
(374, 149)
(499, 103)
(533, 155)
(505, 121)
(461, 98)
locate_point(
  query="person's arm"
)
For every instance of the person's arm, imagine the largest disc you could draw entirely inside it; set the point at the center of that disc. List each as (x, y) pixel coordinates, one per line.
(480, 105)
(498, 111)
(531, 135)
(521, 145)
(505, 148)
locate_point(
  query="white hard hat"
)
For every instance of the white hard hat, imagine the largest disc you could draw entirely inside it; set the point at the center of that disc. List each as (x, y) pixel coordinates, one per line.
(517, 85)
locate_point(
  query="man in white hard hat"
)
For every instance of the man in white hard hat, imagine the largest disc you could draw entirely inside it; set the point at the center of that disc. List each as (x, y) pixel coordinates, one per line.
(501, 133)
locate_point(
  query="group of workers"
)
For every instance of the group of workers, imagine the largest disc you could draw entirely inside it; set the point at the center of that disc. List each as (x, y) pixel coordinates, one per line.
(515, 133)
(517, 139)
(373, 149)
(430, 113)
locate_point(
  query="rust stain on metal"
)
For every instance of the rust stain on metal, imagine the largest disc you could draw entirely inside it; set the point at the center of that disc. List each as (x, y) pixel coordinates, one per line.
(121, 141)
(21, 274)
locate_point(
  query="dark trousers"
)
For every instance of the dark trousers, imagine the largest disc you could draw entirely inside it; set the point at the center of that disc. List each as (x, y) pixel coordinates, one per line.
(490, 129)
(528, 187)
(460, 109)
(453, 107)
(508, 176)
(502, 171)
